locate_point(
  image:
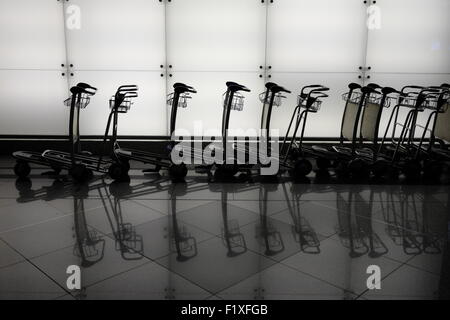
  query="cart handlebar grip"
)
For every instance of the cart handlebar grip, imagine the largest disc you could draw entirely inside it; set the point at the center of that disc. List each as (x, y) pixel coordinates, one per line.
(131, 94)
(86, 86)
(83, 88)
(270, 85)
(276, 89)
(179, 84)
(412, 87)
(374, 85)
(388, 90)
(313, 87)
(368, 90)
(128, 88)
(237, 87)
(353, 86)
(181, 87)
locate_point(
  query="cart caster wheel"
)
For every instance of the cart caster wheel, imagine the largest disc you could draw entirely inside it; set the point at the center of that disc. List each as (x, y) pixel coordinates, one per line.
(358, 169)
(294, 154)
(23, 184)
(118, 172)
(178, 172)
(301, 169)
(226, 171)
(323, 164)
(341, 168)
(125, 164)
(80, 173)
(120, 189)
(412, 170)
(380, 168)
(22, 169)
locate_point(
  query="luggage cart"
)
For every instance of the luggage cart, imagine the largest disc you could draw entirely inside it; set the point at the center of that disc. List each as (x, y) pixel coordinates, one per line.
(80, 98)
(81, 166)
(402, 153)
(436, 151)
(268, 100)
(179, 98)
(342, 155)
(294, 153)
(233, 100)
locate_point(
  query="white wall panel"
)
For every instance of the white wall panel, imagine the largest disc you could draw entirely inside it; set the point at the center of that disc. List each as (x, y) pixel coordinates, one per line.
(414, 37)
(327, 121)
(216, 35)
(118, 35)
(32, 102)
(206, 106)
(31, 34)
(147, 115)
(316, 36)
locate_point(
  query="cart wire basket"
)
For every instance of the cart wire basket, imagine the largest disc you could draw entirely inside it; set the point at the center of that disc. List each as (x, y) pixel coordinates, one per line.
(277, 101)
(81, 102)
(182, 101)
(433, 102)
(238, 101)
(355, 97)
(124, 106)
(410, 100)
(314, 107)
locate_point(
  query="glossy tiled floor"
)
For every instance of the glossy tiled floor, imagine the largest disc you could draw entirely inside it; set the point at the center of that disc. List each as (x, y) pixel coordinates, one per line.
(150, 239)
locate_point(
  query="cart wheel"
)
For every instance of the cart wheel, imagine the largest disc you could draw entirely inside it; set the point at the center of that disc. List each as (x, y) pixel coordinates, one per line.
(294, 154)
(226, 170)
(341, 168)
(23, 184)
(22, 169)
(56, 170)
(178, 172)
(80, 173)
(433, 170)
(412, 170)
(323, 163)
(358, 169)
(125, 163)
(380, 168)
(118, 172)
(120, 189)
(301, 169)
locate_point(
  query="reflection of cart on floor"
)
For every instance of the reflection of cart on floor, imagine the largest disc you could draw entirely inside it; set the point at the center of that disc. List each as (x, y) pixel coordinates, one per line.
(127, 242)
(182, 242)
(266, 231)
(417, 231)
(302, 231)
(355, 225)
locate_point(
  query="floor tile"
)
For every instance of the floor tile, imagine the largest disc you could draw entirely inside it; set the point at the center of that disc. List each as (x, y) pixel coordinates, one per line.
(23, 281)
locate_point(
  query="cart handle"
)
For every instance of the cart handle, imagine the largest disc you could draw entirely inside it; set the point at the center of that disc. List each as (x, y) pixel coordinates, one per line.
(353, 86)
(85, 85)
(412, 87)
(311, 87)
(237, 87)
(276, 89)
(388, 90)
(128, 88)
(83, 88)
(369, 90)
(179, 84)
(374, 85)
(270, 85)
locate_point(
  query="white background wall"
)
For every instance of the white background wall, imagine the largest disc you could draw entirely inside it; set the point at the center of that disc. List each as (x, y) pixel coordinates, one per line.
(206, 43)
